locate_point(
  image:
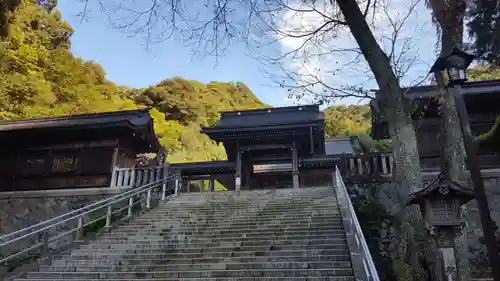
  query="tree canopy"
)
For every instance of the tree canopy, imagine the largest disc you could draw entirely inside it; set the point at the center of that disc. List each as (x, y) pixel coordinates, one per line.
(39, 76)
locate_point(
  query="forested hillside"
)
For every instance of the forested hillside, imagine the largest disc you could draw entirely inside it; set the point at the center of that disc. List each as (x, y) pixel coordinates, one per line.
(39, 76)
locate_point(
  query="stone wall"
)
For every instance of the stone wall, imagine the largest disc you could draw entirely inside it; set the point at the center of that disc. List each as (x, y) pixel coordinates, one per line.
(18, 212)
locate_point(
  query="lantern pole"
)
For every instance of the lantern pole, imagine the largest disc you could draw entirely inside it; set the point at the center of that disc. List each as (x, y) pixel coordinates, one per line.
(479, 190)
(456, 65)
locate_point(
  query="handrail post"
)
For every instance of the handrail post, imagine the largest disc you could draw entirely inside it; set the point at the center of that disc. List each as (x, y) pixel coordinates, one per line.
(45, 241)
(108, 216)
(148, 199)
(130, 206)
(177, 185)
(113, 177)
(79, 230)
(164, 184)
(163, 192)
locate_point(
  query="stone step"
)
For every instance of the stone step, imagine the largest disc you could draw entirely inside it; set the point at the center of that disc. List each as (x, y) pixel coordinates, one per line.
(230, 199)
(235, 254)
(67, 260)
(200, 274)
(193, 201)
(269, 203)
(250, 199)
(235, 234)
(243, 194)
(168, 210)
(197, 240)
(202, 222)
(154, 267)
(250, 217)
(240, 207)
(255, 194)
(219, 228)
(238, 219)
(244, 211)
(189, 198)
(323, 278)
(229, 227)
(187, 245)
(210, 249)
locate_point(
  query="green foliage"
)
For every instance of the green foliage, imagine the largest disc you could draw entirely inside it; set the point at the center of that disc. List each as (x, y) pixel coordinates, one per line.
(347, 120)
(378, 226)
(484, 72)
(354, 120)
(483, 26)
(40, 77)
(487, 72)
(189, 101)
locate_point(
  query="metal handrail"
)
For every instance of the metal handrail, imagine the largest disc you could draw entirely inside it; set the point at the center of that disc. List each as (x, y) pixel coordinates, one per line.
(78, 216)
(362, 261)
(7, 236)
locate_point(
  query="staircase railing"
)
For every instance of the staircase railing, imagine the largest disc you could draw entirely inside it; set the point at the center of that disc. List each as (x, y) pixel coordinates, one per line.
(41, 239)
(362, 262)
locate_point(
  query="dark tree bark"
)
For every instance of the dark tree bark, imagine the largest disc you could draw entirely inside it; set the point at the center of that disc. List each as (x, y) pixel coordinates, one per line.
(413, 241)
(449, 16)
(6, 8)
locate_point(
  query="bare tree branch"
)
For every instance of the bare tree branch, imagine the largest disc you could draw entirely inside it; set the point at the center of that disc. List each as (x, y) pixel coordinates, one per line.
(308, 67)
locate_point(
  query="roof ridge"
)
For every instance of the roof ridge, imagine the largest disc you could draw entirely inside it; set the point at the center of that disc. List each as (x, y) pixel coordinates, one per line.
(73, 116)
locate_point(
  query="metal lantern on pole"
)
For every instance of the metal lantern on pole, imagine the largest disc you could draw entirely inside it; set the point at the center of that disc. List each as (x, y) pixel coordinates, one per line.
(456, 64)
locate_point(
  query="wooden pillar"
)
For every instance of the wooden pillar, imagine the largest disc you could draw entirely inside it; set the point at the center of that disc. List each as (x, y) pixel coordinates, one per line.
(202, 185)
(246, 171)
(311, 139)
(237, 176)
(211, 183)
(113, 167)
(295, 166)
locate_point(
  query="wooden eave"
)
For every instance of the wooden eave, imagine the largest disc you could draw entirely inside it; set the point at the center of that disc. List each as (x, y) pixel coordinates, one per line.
(262, 130)
(329, 161)
(472, 91)
(138, 122)
(205, 168)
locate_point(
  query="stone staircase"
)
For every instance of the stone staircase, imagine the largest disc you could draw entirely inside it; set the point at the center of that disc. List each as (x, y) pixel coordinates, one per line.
(259, 235)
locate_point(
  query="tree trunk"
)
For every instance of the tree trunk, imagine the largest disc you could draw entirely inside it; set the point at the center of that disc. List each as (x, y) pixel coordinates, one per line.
(450, 16)
(412, 240)
(6, 8)
(453, 165)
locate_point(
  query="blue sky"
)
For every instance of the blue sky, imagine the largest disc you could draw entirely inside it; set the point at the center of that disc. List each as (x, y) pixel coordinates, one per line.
(128, 62)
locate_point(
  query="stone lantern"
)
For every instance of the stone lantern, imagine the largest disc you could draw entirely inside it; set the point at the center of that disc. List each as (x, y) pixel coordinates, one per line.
(440, 202)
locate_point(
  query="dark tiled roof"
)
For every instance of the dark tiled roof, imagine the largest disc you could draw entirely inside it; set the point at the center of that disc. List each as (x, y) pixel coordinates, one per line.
(473, 87)
(292, 115)
(133, 117)
(338, 145)
(462, 192)
(135, 120)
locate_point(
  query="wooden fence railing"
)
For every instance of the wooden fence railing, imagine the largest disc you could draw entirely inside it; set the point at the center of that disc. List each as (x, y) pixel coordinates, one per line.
(373, 165)
(139, 176)
(354, 167)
